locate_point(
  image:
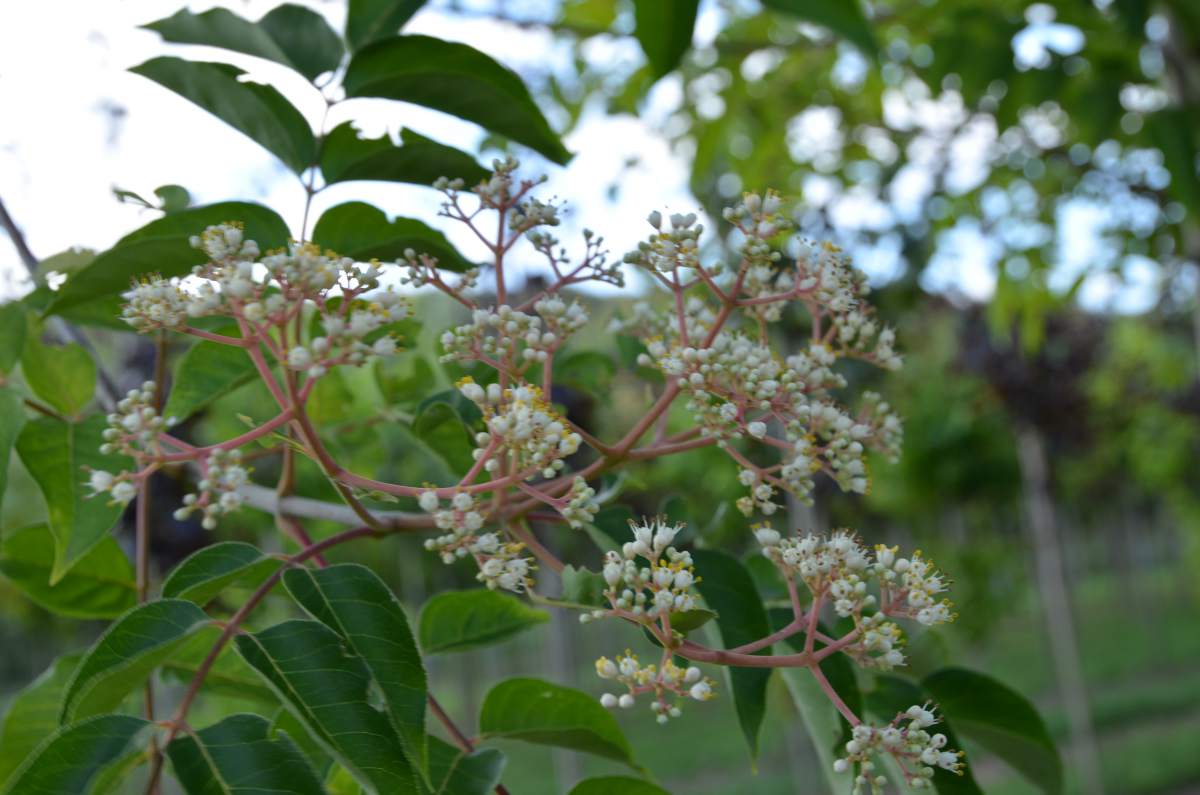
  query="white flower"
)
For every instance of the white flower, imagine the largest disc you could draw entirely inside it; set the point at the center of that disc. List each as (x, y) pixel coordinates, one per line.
(101, 481)
(700, 691)
(608, 700)
(299, 358)
(428, 501)
(626, 701)
(757, 429)
(124, 491)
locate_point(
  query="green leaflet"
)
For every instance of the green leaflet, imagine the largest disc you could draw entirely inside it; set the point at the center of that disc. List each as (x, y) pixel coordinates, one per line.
(461, 620)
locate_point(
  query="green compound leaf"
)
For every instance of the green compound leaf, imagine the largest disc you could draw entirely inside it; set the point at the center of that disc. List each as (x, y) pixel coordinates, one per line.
(843, 17)
(728, 588)
(207, 371)
(459, 773)
(33, 714)
(462, 620)
(353, 602)
(239, 756)
(363, 232)
(541, 712)
(100, 585)
(455, 79)
(162, 247)
(209, 571)
(229, 675)
(56, 454)
(1001, 720)
(616, 785)
(664, 29)
(327, 688)
(292, 35)
(73, 757)
(258, 111)
(62, 375)
(346, 155)
(369, 21)
(129, 650)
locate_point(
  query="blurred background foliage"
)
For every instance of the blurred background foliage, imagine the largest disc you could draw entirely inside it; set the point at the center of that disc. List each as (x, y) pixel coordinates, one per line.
(1021, 180)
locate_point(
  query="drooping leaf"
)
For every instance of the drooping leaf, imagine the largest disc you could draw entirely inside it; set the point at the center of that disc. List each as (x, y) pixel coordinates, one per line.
(347, 155)
(56, 454)
(239, 756)
(462, 620)
(292, 35)
(454, 772)
(204, 373)
(363, 232)
(12, 330)
(455, 79)
(843, 17)
(616, 785)
(443, 422)
(353, 602)
(127, 652)
(71, 758)
(729, 589)
(541, 712)
(259, 111)
(33, 714)
(209, 571)
(228, 675)
(327, 688)
(162, 247)
(100, 585)
(62, 375)
(12, 419)
(1000, 719)
(368, 21)
(664, 29)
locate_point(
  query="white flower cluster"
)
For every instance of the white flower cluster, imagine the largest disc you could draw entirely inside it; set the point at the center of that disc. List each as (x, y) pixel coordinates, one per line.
(663, 587)
(225, 242)
(155, 302)
(676, 247)
(217, 491)
(501, 564)
(497, 334)
(134, 425)
(581, 504)
(908, 741)
(354, 332)
(523, 425)
(669, 679)
(839, 568)
(121, 486)
(594, 267)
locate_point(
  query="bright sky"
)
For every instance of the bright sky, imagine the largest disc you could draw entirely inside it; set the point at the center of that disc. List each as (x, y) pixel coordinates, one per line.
(77, 124)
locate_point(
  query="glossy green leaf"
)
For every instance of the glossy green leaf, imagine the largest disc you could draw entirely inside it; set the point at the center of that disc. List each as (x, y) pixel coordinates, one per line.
(33, 714)
(100, 585)
(843, 17)
(456, 773)
(62, 375)
(259, 111)
(728, 588)
(1000, 719)
(209, 571)
(462, 620)
(455, 79)
(12, 332)
(12, 419)
(686, 621)
(346, 155)
(162, 247)
(541, 712)
(71, 758)
(229, 675)
(368, 21)
(56, 454)
(327, 688)
(664, 29)
(443, 422)
(616, 785)
(583, 586)
(129, 650)
(356, 604)
(204, 373)
(239, 756)
(363, 232)
(292, 35)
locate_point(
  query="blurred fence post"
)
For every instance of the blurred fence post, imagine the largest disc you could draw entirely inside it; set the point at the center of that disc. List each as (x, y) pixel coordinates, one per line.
(1056, 604)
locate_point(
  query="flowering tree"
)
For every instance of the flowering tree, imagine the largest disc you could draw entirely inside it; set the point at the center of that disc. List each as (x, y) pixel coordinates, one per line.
(349, 674)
